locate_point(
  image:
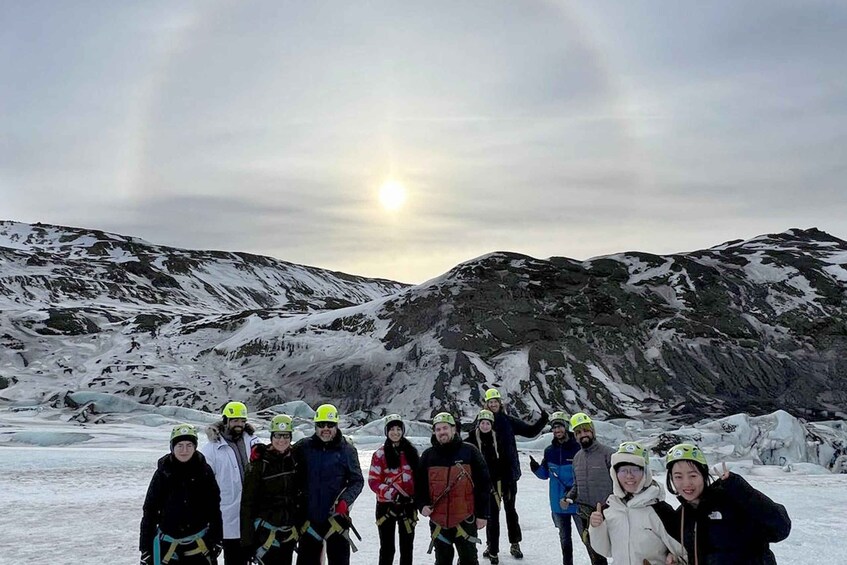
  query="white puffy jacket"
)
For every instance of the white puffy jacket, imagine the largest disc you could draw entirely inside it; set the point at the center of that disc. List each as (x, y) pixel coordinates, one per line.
(221, 459)
(635, 527)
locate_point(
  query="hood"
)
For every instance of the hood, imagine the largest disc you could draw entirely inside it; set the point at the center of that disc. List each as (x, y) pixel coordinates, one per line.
(646, 478)
(216, 430)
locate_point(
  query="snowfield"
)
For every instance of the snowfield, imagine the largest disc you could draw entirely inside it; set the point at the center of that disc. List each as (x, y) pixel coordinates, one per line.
(81, 502)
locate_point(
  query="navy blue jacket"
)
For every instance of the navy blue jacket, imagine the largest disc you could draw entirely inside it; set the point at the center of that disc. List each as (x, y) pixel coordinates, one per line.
(733, 524)
(557, 466)
(507, 427)
(332, 469)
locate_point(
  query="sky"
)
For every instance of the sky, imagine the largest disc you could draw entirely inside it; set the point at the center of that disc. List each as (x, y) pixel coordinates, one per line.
(548, 128)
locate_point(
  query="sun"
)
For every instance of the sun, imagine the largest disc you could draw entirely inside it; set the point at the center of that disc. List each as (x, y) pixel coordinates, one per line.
(392, 195)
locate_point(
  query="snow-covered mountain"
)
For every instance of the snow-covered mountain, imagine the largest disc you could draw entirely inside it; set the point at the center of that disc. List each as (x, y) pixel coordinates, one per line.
(745, 326)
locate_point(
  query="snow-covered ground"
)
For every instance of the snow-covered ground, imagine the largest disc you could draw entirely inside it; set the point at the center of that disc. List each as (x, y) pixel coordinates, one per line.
(82, 502)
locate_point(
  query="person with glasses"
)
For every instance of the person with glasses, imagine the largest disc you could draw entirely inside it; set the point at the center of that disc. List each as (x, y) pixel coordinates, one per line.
(228, 453)
(724, 521)
(273, 504)
(333, 482)
(633, 528)
(557, 467)
(592, 483)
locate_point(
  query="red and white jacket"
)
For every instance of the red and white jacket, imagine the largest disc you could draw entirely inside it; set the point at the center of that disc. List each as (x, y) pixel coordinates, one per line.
(389, 484)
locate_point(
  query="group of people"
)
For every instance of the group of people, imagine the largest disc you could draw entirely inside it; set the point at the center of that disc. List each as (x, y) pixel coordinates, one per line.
(260, 502)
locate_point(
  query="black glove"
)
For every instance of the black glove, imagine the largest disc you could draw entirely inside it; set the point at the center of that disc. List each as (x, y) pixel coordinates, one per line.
(343, 521)
(215, 550)
(544, 417)
(146, 558)
(533, 464)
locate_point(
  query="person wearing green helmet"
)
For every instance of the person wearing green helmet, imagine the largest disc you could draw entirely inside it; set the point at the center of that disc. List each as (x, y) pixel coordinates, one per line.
(557, 467)
(228, 453)
(333, 483)
(181, 520)
(273, 504)
(484, 438)
(632, 529)
(507, 427)
(592, 482)
(452, 489)
(391, 477)
(726, 521)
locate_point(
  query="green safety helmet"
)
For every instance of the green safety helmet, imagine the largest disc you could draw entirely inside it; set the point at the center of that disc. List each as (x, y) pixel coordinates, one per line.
(485, 415)
(326, 413)
(444, 418)
(559, 418)
(183, 432)
(234, 410)
(394, 419)
(492, 394)
(580, 419)
(282, 423)
(685, 452)
(631, 452)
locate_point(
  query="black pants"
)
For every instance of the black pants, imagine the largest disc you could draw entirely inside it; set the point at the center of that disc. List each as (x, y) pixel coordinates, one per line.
(234, 553)
(445, 550)
(492, 529)
(395, 517)
(513, 525)
(582, 528)
(309, 550)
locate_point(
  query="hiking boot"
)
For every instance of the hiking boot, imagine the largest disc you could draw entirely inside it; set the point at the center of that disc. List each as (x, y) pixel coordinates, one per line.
(486, 553)
(494, 559)
(515, 550)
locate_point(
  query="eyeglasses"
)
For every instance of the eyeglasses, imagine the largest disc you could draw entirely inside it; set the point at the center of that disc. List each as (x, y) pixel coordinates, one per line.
(326, 424)
(630, 470)
(281, 435)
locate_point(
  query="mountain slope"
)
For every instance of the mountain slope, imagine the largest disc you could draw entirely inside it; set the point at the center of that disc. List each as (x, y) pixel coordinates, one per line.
(744, 326)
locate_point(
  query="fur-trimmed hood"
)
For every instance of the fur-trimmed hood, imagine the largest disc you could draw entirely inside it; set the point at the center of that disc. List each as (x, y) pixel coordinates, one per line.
(216, 430)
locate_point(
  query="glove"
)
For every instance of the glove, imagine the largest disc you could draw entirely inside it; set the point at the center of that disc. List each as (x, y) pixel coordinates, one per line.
(533, 464)
(215, 551)
(343, 521)
(146, 558)
(564, 503)
(341, 508)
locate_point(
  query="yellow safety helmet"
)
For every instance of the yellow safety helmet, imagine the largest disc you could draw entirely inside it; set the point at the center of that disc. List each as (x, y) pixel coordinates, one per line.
(326, 413)
(559, 418)
(492, 394)
(580, 419)
(485, 415)
(282, 423)
(444, 418)
(631, 452)
(234, 410)
(183, 432)
(685, 452)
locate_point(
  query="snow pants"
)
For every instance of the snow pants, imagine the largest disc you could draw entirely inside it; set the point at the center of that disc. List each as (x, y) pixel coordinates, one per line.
(445, 551)
(394, 520)
(513, 526)
(563, 524)
(309, 550)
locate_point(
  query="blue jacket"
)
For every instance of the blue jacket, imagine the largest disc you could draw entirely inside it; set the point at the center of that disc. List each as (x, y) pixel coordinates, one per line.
(507, 427)
(332, 473)
(557, 466)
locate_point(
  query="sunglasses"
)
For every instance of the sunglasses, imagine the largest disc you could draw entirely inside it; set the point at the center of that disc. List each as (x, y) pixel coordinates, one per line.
(281, 435)
(631, 471)
(326, 424)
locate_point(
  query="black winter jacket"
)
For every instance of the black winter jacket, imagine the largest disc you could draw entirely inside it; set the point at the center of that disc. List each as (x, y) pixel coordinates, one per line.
(498, 466)
(182, 500)
(733, 525)
(507, 427)
(274, 490)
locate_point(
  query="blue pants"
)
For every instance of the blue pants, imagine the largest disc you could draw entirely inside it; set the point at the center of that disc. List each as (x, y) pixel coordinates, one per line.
(563, 524)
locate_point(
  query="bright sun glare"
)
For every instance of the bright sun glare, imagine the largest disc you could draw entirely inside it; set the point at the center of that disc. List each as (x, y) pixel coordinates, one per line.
(392, 195)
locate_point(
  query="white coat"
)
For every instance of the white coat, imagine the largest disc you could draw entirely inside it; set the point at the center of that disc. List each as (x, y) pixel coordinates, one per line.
(221, 459)
(632, 531)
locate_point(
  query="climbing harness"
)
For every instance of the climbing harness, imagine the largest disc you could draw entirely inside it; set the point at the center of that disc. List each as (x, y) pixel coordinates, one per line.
(274, 535)
(170, 553)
